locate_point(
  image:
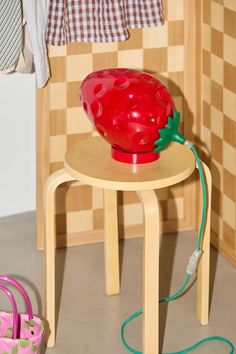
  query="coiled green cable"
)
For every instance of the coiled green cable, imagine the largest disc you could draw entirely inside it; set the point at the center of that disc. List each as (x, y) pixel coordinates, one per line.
(183, 287)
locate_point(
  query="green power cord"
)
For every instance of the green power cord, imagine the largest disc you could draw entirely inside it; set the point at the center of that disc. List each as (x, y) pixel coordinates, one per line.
(168, 134)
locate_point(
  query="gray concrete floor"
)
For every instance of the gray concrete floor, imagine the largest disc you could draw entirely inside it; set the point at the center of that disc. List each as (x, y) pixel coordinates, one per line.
(89, 321)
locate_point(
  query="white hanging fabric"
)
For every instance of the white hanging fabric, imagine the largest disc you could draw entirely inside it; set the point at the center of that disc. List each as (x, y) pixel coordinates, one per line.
(25, 63)
(36, 15)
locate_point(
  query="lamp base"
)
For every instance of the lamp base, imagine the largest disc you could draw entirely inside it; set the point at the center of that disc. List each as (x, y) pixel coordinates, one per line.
(134, 158)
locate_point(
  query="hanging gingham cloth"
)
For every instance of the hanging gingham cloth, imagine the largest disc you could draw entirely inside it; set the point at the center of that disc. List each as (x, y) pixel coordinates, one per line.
(10, 33)
(99, 20)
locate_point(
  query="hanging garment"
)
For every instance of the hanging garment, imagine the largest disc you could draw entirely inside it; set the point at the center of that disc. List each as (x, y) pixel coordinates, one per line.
(99, 20)
(36, 14)
(22, 63)
(10, 34)
(23, 26)
(25, 64)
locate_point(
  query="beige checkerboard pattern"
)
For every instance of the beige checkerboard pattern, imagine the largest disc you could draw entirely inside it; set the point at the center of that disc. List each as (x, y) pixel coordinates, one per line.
(159, 51)
(219, 116)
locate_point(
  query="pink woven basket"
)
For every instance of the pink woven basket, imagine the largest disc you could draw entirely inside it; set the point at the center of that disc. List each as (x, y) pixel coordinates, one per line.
(19, 333)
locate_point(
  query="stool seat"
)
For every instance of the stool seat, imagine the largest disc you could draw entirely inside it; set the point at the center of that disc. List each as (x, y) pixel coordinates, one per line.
(90, 162)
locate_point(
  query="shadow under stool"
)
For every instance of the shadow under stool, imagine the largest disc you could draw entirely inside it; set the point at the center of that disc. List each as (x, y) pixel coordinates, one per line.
(90, 162)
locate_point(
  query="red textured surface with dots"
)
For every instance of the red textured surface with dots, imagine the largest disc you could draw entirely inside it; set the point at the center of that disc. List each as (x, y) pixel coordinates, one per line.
(127, 107)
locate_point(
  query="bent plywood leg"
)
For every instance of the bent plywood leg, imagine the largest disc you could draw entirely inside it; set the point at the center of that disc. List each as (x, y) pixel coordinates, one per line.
(151, 273)
(51, 185)
(203, 281)
(111, 242)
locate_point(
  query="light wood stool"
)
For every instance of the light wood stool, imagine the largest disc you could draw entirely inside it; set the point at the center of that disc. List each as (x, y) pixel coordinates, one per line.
(90, 162)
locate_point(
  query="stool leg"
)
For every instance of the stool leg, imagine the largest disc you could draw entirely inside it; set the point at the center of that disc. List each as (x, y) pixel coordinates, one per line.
(204, 264)
(51, 185)
(111, 242)
(151, 273)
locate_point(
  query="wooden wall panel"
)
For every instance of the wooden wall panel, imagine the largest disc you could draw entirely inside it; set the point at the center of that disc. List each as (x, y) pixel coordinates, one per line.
(218, 121)
(167, 52)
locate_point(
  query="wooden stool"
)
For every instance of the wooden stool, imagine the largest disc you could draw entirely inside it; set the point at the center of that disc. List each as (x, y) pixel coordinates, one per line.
(90, 163)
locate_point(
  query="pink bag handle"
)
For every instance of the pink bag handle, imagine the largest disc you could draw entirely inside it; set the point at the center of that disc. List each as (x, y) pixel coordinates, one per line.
(20, 288)
(14, 309)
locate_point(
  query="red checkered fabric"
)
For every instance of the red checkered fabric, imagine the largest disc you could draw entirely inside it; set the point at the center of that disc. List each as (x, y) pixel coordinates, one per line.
(99, 20)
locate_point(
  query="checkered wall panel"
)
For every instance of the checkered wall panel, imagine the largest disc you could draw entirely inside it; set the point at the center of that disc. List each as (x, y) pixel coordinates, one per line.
(159, 51)
(219, 117)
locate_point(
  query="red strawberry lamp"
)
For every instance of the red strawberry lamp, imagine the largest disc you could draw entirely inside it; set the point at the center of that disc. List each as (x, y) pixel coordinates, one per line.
(129, 109)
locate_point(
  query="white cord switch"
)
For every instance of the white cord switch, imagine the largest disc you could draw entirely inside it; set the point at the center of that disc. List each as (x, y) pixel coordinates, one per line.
(193, 262)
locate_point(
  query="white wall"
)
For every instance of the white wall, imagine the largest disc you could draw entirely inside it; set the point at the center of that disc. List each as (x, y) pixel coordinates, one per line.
(17, 143)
